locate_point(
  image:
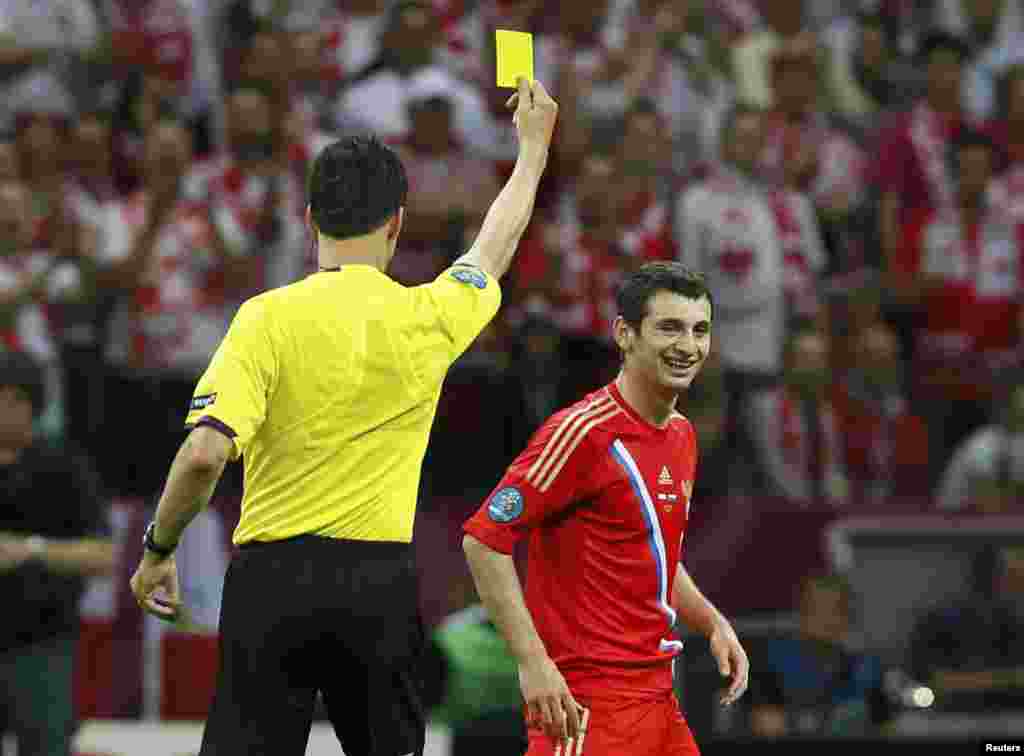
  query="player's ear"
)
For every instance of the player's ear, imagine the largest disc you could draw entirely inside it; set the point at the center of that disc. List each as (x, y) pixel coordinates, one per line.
(622, 334)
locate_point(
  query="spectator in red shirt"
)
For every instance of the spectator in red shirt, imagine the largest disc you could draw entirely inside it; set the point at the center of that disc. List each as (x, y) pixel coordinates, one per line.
(152, 34)
(646, 181)
(911, 163)
(795, 429)
(588, 240)
(92, 164)
(885, 445)
(40, 140)
(254, 191)
(806, 154)
(175, 272)
(962, 268)
(449, 184)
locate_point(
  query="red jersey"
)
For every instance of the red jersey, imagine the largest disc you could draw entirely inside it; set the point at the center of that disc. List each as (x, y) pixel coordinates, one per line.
(972, 316)
(604, 497)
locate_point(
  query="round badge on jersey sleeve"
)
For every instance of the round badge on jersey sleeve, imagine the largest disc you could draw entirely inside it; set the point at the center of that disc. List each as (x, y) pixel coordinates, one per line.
(470, 276)
(506, 505)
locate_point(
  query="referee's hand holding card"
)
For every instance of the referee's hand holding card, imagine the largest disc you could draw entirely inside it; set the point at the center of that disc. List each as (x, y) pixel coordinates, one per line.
(536, 113)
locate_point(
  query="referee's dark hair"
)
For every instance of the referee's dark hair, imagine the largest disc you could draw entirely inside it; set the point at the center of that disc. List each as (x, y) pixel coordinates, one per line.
(20, 371)
(356, 184)
(638, 287)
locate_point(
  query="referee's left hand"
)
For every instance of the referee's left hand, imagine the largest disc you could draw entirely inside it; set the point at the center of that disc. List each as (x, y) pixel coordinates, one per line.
(155, 586)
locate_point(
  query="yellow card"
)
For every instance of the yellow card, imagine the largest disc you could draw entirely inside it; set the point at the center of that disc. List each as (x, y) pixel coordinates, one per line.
(515, 56)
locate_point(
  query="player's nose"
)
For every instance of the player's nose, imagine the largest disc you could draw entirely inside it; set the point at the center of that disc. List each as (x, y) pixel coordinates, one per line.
(686, 346)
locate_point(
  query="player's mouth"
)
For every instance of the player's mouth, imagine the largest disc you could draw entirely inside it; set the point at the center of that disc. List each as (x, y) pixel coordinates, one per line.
(679, 365)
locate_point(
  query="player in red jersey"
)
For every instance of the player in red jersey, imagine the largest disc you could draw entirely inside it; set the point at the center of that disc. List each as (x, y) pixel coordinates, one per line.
(603, 489)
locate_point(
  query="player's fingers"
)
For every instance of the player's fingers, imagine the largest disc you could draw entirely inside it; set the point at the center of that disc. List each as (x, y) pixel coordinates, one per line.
(722, 657)
(511, 101)
(558, 719)
(534, 717)
(545, 718)
(572, 716)
(742, 677)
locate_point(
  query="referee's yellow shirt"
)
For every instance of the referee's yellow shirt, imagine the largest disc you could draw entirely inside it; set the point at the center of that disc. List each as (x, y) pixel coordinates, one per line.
(329, 387)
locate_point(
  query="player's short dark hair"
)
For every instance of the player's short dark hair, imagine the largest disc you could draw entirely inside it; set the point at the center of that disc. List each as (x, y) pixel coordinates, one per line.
(355, 185)
(938, 40)
(636, 290)
(20, 371)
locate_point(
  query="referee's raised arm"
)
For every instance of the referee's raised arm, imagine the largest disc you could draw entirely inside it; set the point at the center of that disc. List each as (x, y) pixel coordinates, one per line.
(510, 213)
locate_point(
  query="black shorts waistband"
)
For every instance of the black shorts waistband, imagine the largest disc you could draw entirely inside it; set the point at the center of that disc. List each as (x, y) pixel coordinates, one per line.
(350, 545)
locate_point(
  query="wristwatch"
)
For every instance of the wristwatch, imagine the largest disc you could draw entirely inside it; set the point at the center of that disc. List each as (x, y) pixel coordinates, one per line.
(151, 545)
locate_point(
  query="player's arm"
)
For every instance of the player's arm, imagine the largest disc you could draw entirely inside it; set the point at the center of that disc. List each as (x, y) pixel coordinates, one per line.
(509, 215)
(700, 615)
(542, 482)
(500, 591)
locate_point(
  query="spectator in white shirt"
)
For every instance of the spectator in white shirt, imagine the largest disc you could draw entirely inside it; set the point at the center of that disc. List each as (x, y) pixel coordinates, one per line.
(727, 230)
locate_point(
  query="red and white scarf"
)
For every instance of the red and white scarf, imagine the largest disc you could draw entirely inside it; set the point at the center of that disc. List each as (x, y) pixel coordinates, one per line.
(795, 441)
(930, 138)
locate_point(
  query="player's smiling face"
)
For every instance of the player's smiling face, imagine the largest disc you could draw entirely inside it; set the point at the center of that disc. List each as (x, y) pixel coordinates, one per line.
(673, 341)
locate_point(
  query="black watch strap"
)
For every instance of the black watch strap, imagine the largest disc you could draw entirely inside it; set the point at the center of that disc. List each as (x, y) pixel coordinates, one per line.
(152, 545)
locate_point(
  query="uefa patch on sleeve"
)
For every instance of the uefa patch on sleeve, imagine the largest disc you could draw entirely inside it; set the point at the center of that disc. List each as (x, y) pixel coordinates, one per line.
(506, 505)
(202, 402)
(470, 276)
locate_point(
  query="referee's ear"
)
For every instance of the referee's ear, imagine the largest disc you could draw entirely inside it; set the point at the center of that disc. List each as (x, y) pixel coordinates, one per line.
(395, 224)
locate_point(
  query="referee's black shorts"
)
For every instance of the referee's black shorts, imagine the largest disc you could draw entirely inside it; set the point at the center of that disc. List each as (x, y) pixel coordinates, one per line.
(316, 614)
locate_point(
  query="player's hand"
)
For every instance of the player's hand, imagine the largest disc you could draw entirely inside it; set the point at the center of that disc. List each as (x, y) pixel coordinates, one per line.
(732, 662)
(548, 700)
(536, 112)
(155, 586)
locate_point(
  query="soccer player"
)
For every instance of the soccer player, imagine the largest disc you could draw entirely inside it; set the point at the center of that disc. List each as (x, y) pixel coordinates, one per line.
(327, 389)
(603, 489)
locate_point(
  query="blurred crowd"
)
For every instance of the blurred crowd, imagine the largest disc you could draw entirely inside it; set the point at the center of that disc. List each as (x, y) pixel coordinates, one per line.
(849, 174)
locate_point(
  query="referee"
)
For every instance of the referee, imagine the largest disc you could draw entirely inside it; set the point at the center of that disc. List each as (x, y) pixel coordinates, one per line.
(328, 388)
